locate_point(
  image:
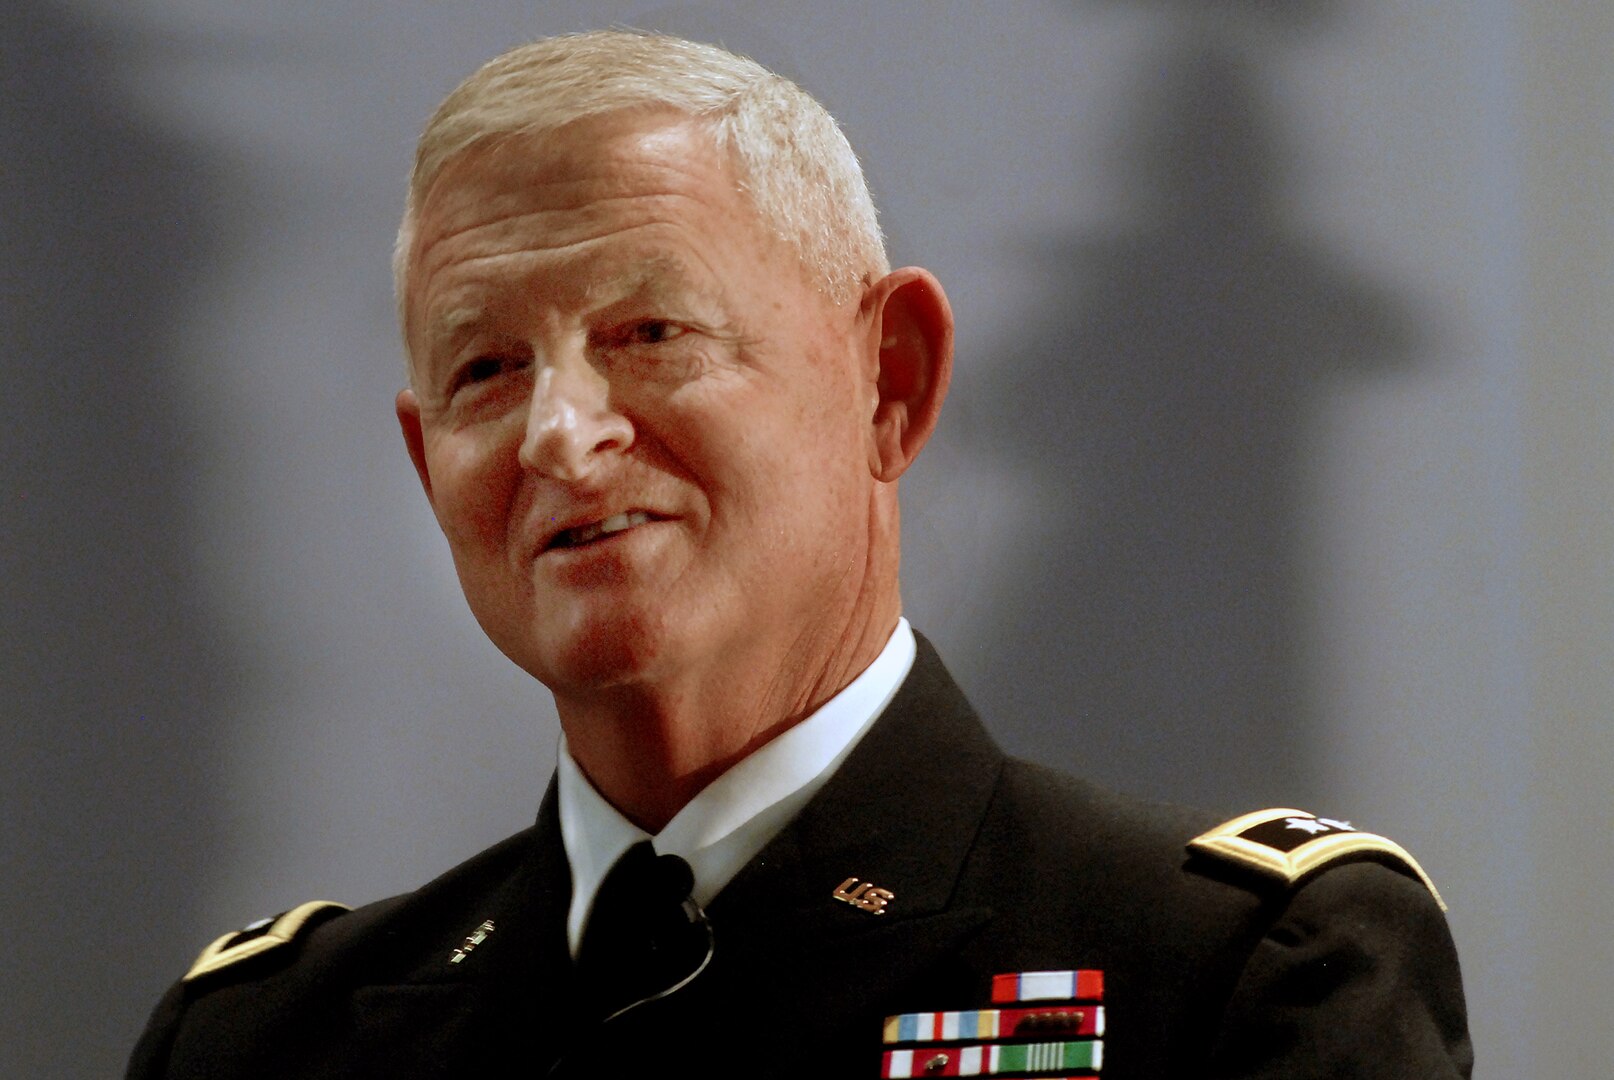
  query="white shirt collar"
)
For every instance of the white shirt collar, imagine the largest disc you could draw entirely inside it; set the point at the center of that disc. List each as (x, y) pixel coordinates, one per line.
(734, 816)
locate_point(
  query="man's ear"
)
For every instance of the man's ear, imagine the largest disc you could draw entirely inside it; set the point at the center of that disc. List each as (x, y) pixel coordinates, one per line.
(408, 407)
(911, 342)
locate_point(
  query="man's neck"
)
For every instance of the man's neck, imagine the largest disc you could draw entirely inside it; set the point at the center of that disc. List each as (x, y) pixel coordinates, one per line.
(651, 749)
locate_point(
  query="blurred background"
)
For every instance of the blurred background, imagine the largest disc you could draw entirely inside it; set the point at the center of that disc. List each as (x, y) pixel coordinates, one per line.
(1276, 470)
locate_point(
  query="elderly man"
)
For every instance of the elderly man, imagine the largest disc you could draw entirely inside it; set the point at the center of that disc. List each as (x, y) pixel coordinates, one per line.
(662, 387)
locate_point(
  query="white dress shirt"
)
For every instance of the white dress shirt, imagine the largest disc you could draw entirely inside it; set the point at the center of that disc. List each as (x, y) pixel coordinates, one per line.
(734, 816)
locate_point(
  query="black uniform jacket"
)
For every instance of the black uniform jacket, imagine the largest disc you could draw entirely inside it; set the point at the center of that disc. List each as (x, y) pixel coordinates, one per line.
(994, 865)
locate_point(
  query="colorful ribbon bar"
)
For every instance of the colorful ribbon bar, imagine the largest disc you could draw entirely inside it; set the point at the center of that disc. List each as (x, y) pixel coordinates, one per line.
(1043, 1022)
(994, 1059)
(1048, 986)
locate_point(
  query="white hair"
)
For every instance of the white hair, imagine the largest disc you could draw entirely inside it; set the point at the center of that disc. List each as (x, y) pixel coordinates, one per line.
(794, 162)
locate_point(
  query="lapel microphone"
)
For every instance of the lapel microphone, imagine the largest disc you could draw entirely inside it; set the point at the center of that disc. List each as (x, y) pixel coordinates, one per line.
(646, 937)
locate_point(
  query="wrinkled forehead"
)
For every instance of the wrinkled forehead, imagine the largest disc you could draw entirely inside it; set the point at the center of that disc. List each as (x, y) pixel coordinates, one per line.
(601, 156)
(571, 186)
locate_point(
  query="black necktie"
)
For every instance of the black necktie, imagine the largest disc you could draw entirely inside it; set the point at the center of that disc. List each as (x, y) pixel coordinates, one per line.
(644, 935)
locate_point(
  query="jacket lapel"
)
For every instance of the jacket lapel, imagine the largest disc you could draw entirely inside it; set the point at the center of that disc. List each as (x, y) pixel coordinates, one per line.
(507, 996)
(901, 815)
(902, 812)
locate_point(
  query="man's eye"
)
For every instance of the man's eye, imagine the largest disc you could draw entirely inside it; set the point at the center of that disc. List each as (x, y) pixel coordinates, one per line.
(653, 332)
(482, 369)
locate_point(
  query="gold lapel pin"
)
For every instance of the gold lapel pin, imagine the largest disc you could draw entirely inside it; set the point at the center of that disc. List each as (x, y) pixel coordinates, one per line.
(867, 895)
(472, 940)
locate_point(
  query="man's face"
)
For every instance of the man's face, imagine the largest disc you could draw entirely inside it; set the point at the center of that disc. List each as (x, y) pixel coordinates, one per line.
(643, 431)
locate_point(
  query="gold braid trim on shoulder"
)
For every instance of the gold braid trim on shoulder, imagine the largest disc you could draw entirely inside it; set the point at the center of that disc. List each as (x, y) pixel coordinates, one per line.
(1290, 844)
(260, 937)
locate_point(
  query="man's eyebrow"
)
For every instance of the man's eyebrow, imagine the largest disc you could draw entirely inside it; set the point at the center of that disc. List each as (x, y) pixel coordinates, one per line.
(654, 275)
(444, 326)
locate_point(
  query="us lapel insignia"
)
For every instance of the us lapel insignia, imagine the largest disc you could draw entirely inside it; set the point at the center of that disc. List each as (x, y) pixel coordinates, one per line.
(472, 940)
(865, 895)
(1290, 844)
(1048, 1024)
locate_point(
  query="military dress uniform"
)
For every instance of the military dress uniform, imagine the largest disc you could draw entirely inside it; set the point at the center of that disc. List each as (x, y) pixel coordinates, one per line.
(936, 909)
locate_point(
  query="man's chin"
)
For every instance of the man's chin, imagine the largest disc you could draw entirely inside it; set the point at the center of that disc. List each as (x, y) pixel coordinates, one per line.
(601, 660)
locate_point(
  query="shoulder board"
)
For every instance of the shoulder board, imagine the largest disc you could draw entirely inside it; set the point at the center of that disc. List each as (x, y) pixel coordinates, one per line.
(261, 936)
(1291, 844)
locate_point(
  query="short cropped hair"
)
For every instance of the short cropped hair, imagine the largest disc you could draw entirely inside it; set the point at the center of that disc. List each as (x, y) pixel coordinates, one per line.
(794, 162)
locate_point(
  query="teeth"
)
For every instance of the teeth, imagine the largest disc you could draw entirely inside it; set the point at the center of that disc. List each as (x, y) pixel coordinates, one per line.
(613, 524)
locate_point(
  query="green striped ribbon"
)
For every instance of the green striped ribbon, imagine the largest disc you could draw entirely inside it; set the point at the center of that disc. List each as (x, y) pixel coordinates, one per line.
(1025, 1057)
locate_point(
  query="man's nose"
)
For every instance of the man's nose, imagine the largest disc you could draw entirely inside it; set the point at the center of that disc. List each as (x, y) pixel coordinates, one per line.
(571, 424)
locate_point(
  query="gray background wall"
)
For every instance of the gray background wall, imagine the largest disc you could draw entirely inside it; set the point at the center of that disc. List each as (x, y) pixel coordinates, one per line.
(1277, 468)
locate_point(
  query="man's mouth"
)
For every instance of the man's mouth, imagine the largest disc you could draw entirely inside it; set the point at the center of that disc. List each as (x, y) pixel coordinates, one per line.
(583, 534)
